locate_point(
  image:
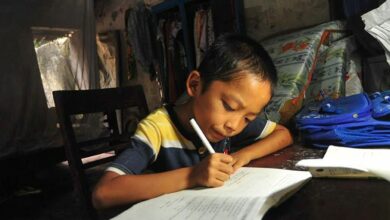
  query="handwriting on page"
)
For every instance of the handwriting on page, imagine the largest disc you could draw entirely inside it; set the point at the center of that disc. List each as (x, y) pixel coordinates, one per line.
(202, 207)
(247, 195)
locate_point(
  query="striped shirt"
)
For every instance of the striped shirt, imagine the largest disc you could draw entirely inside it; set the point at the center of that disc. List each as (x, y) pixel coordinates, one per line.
(160, 143)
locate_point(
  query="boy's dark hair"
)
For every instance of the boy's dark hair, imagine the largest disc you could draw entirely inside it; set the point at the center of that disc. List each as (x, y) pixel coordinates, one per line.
(233, 53)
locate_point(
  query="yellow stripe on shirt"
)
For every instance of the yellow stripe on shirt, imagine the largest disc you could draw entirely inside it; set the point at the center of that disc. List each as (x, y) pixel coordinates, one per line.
(268, 129)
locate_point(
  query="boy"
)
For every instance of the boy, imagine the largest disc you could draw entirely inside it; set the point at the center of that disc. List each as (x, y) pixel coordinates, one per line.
(229, 89)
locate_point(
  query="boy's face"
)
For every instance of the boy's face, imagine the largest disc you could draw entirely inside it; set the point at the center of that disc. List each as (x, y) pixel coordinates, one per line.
(225, 108)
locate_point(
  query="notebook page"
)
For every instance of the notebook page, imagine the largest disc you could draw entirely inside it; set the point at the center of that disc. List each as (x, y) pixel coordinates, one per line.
(245, 196)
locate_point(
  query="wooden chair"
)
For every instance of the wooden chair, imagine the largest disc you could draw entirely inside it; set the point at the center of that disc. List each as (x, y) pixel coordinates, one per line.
(83, 102)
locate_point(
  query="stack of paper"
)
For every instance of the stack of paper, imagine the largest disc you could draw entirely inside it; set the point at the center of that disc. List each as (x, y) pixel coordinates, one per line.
(350, 162)
(377, 23)
(247, 195)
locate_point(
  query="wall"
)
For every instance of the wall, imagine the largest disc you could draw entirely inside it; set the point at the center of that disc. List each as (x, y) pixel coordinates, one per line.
(110, 16)
(264, 18)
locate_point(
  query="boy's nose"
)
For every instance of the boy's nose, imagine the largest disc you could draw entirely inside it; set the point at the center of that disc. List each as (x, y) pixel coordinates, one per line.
(231, 126)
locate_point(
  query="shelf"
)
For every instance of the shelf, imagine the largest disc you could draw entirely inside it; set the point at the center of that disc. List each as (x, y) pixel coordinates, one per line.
(164, 6)
(168, 5)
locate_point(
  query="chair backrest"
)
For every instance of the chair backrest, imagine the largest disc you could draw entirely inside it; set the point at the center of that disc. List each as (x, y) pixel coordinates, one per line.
(70, 104)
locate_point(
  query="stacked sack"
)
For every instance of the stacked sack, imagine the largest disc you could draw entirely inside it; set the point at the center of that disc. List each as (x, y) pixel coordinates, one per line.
(359, 120)
(295, 56)
(329, 77)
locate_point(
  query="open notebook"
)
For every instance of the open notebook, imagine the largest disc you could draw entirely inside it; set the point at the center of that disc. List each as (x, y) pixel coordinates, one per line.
(347, 162)
(247, 195)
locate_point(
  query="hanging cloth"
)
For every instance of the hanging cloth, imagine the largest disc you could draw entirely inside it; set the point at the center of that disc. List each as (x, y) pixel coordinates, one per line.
(142, 37)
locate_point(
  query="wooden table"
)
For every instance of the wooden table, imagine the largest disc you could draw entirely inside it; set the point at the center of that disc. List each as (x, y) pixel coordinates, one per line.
(325, 198)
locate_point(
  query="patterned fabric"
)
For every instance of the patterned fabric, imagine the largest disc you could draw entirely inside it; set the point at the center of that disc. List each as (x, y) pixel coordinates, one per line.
(353, 83)
(295, 57)
(329, 76)
(203, 33)
(161, 144)
(107, 51)
(141, 35)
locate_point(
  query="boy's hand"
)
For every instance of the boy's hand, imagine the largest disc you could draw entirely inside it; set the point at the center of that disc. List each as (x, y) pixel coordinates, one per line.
(213, 170)
(239, 159)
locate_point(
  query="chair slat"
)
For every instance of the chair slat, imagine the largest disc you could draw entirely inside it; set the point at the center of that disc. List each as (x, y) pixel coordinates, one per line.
(103, 140)
(107, 148)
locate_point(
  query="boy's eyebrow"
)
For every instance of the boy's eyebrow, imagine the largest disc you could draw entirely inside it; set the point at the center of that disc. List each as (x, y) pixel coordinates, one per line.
(236, 99)
(254, 114)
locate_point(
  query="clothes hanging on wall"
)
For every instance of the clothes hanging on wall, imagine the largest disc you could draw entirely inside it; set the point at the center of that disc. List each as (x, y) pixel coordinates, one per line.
(172, 58)
(203, 33)
(129, 62)
(192, 41)
(141, 35)
(162, 60)
(107, 50)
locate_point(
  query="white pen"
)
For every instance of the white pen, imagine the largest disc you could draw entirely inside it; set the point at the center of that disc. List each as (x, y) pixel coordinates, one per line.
(202, 136)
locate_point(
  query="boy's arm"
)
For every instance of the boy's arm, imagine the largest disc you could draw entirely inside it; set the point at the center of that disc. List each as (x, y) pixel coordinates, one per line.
(275, 141)
(114, 189)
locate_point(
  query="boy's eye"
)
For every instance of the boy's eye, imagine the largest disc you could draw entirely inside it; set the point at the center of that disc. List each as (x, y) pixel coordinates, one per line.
(227, 107)
(247, 120)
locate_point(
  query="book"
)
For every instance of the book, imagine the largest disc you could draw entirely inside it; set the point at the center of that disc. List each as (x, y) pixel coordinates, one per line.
(344, 162)
(248, 194)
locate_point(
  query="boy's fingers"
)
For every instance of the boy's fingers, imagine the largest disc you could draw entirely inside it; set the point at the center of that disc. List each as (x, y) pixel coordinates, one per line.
(226, 158)
(226, 168)
(236, 166)
(216, 183)
(222, 176)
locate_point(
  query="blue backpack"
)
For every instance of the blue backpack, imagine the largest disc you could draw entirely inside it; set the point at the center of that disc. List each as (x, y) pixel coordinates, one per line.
(354, 121)
(380, 104)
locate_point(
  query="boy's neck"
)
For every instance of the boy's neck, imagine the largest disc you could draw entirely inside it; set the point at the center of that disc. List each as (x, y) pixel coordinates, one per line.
(184, 114)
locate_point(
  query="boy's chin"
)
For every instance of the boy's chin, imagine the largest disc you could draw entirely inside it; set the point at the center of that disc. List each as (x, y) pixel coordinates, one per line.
(216, 140)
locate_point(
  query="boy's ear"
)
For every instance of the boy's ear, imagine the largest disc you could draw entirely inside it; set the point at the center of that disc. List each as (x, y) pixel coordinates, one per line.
(193, 83)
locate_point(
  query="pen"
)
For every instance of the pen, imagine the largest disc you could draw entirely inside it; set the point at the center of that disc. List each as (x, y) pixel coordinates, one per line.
(202, 137)
(226, 149)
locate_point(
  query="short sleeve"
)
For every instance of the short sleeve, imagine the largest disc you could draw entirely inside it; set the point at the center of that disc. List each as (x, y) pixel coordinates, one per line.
(143, 149)
(134, 160)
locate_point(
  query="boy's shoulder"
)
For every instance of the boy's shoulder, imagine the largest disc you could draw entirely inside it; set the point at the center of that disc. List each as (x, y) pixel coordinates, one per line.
(158, 124)
(158, 116)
